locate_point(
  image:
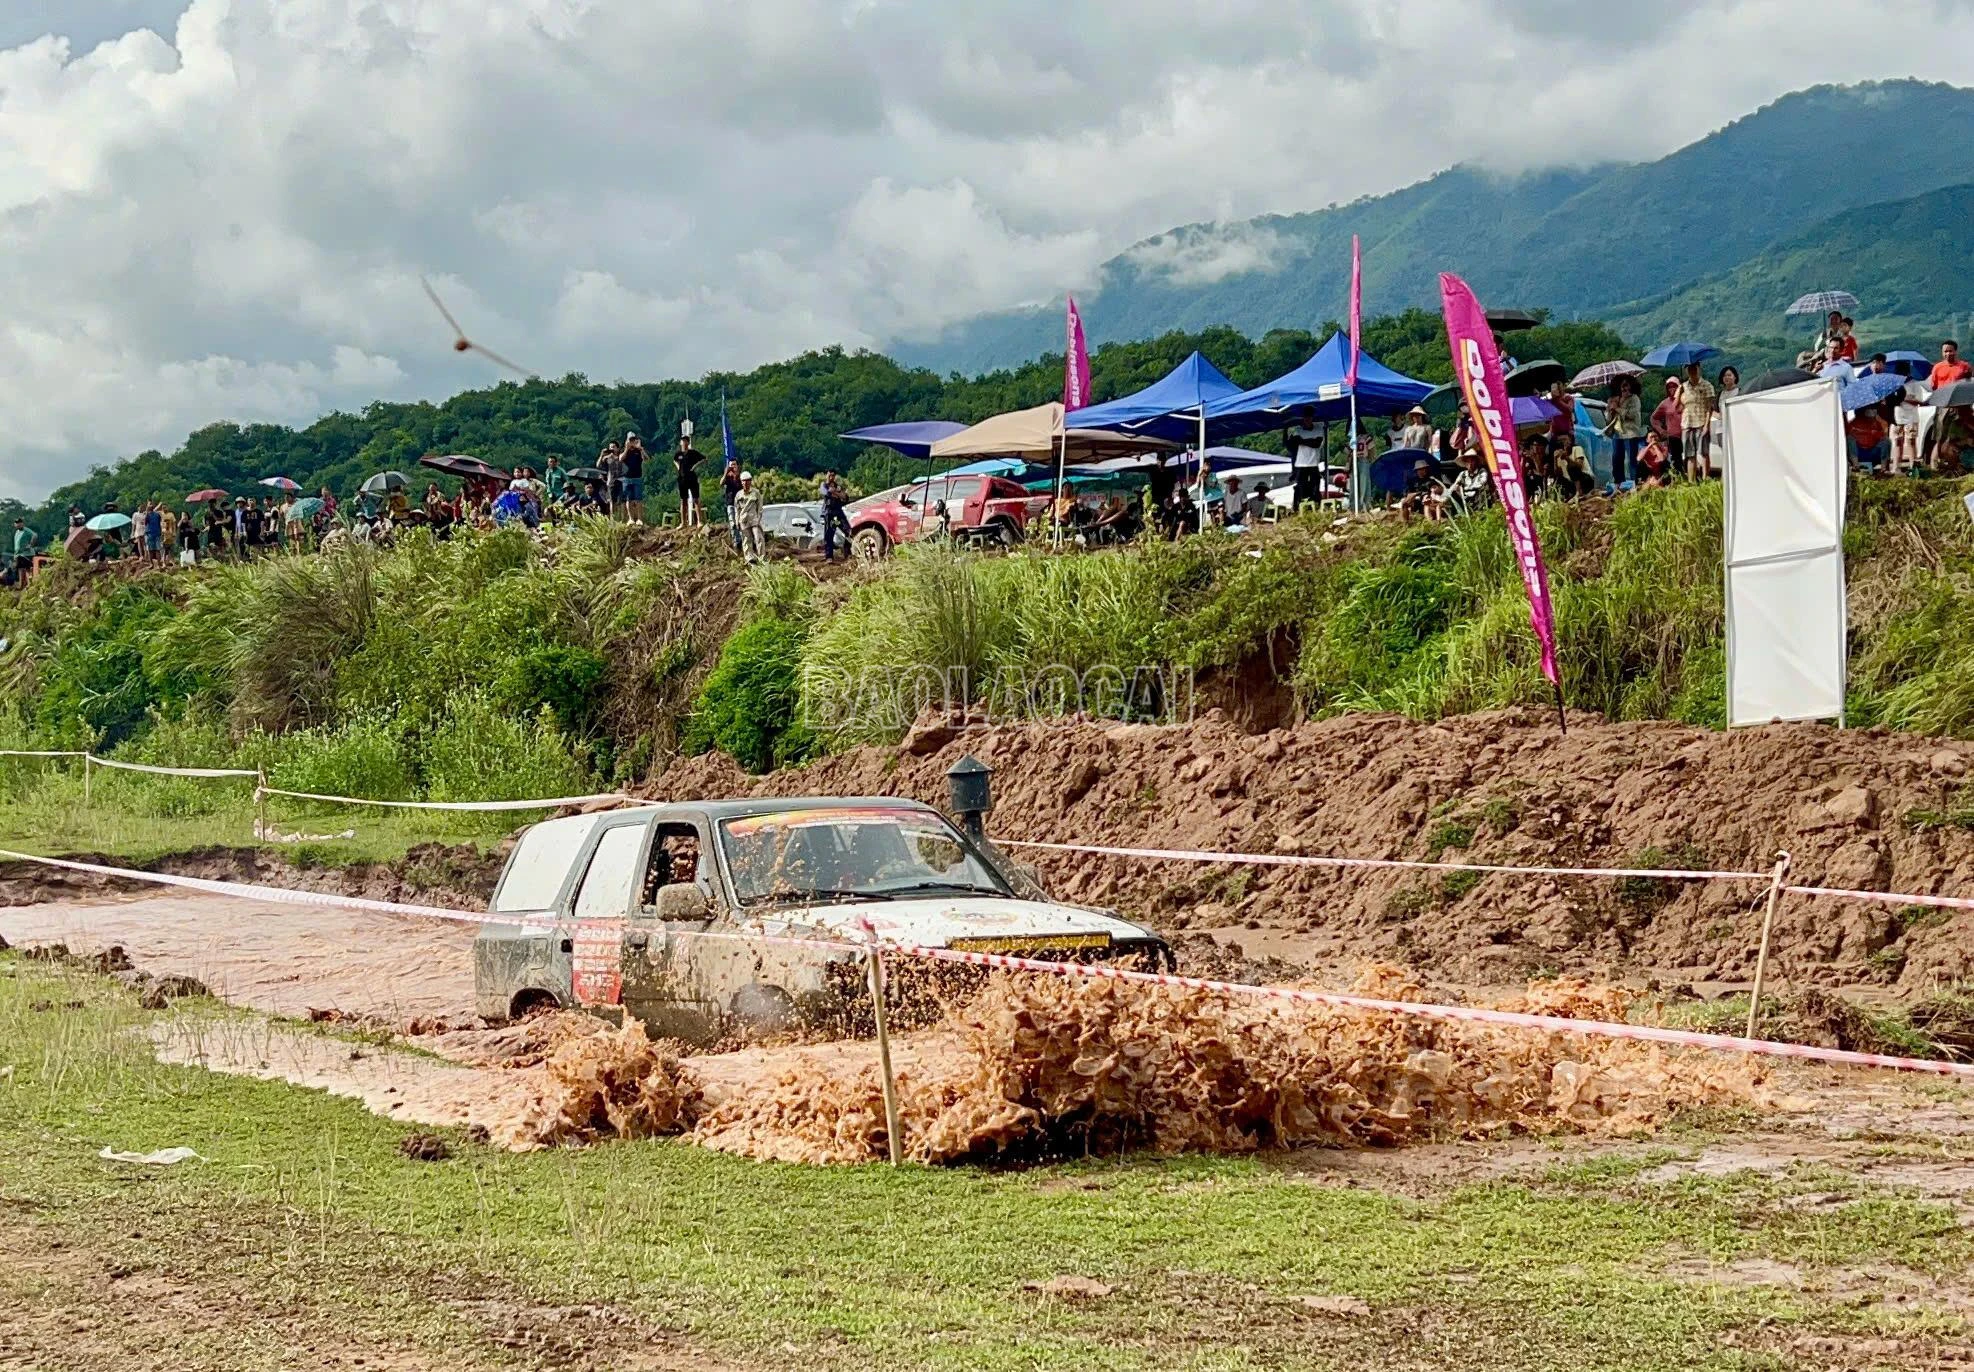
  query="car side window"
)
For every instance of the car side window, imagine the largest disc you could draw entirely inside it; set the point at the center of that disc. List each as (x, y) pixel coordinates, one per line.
(679, 857)
(607, 885)
(962, 490)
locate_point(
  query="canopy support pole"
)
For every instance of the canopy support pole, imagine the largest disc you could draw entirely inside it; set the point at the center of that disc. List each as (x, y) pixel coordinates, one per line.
(1356, 485)
(1202, 466)
(1055, 503)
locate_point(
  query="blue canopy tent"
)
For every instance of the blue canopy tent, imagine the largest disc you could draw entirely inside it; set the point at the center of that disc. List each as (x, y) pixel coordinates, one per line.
(1173, 407)
(1319, 391)
(914, 438)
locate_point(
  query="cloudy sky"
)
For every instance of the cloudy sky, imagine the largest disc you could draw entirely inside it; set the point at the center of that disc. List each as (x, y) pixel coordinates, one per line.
(220, 208)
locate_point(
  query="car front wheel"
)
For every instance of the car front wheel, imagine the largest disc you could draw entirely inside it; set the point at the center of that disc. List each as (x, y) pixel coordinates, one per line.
(869, 543)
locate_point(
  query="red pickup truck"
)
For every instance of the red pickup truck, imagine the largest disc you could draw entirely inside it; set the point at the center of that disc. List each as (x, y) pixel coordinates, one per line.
(981, 508)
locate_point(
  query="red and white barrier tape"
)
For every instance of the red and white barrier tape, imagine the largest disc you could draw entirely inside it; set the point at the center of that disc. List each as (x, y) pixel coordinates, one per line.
(554, 803)
(173, 771)
(1306, 860)
(285, 895)
(1882, 897)
(1681, 1038)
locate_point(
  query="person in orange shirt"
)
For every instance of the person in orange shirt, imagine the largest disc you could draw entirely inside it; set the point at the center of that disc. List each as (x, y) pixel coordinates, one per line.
(1869, 432)
(1949, 368)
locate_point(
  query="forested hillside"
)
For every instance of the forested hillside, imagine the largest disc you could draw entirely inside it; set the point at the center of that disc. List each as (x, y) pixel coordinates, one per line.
(1583, 242)
(785, 416)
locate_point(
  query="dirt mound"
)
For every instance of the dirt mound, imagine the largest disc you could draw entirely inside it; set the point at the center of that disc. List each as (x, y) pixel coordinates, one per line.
(1856, 808)
(453, 876)
(1037, 1067)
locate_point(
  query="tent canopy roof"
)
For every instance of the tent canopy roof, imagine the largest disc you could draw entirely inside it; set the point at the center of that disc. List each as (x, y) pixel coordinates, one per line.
(1039, 433)
(1318, 386)
(913, 438)
(1168, 408)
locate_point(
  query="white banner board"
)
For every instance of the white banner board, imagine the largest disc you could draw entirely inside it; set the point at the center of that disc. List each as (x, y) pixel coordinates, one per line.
(1786, 619)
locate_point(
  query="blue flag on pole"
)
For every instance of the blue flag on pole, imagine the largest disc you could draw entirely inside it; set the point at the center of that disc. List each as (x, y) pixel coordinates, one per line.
(726, 433)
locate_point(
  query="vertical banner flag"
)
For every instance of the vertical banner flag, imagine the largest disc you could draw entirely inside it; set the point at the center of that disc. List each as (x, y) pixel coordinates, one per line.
(1356, 309)
(1477, 367)
(727, 453)
(1075, 363)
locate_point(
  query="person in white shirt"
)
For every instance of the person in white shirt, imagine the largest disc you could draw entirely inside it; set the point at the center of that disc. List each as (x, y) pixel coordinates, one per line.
(1307, 447)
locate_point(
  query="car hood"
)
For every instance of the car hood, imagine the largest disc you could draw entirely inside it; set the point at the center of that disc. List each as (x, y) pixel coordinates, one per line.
(936, 921)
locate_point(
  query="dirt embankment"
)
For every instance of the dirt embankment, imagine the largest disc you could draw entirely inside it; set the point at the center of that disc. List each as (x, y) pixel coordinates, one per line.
(1862, 809)
(452, 876)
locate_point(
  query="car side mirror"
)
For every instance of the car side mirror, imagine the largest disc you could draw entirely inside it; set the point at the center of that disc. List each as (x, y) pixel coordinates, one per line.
(683, 903)
(802, 523)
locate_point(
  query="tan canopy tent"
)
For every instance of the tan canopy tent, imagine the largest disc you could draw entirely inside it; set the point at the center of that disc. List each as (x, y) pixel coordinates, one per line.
(1038, 434)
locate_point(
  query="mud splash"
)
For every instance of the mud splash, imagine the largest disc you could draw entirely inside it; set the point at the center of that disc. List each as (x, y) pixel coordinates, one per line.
(1034, 1067)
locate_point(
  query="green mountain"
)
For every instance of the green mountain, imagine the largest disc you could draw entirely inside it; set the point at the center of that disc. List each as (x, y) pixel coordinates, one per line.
(1583, 243)
(1905, 260)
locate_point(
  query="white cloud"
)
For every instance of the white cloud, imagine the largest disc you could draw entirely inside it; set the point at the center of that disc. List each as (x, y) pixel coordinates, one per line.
(1204, 254)
(226, 215)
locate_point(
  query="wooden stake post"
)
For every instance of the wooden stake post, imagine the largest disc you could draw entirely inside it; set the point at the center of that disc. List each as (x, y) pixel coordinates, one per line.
(1768, 931)
(874, 960)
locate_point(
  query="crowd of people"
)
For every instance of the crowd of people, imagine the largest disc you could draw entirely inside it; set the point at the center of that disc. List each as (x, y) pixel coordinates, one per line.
(1681, 437)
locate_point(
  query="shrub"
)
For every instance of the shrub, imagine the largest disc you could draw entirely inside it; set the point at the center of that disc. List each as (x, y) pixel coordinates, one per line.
(565, 680)
(483, 752)
(750, 706)
(365, 757)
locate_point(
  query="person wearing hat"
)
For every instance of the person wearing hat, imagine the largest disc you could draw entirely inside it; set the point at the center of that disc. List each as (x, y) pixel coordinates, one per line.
(747, 517)
(1422, 495)
(1418, 430)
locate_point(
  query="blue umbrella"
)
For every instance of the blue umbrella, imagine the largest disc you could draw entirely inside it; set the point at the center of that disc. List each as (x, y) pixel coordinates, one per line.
(103, 523)
(1679, 355)
(1871, 388)
(1909, 364)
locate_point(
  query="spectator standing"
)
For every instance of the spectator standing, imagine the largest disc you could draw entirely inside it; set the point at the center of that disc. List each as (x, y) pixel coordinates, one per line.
(1905, 428)
(554, 480)
(633, 460)
(215, 531)
(1824, 349)
(1562, 424)
(1730, 384)
(1418, 432)
(834, 499)
(153, 517)
(1665, 424)
(1696, 407)
(685, 467)
(747, 517)
(729, 492)
(76, 517)
(1843, 346)
(1305, 445)
(1624, 421)
(612, 467)
(23, 551)
(188, 536)
(1949, 368)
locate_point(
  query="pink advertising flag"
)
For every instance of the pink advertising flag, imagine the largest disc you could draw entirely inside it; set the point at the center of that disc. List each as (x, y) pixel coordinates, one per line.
(1075, 364)
(1477, 367)
(1356, 309)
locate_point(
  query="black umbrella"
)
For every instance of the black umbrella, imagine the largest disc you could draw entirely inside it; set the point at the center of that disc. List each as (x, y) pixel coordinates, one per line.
(587, 474)
(1952, 396)
(459, 464)
(1511, 321)
(1532, 378)
(384, 481)
(1776, 380)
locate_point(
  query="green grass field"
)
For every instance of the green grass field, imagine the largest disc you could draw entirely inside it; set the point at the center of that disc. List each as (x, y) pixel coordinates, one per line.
(305, 1238)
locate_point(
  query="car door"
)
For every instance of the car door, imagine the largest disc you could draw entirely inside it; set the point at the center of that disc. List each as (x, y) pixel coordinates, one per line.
(966, 500)
(666, 963)
(599, 910)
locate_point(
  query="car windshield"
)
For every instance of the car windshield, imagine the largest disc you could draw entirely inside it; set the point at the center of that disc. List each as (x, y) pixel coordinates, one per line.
(879, 853)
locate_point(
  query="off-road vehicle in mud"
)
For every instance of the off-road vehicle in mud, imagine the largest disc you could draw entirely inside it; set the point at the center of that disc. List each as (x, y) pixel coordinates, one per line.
(647, 912)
